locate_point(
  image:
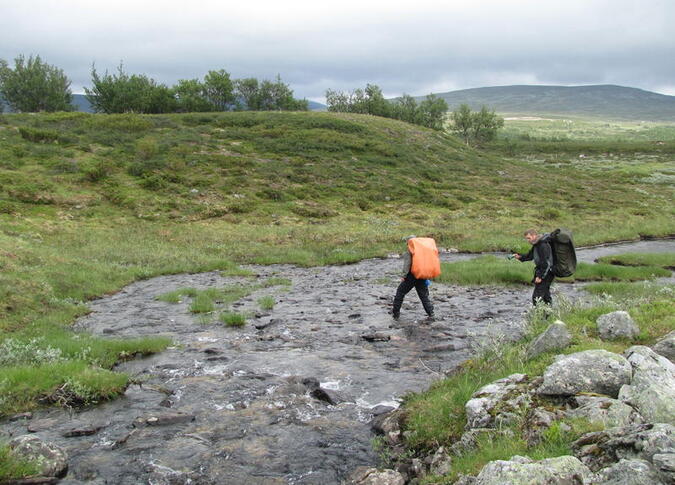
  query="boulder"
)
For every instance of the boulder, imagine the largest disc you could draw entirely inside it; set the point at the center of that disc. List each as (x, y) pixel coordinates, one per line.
(469, 440)
(537, 421)
(441, 463)
(372, 476)
(665, 464)
(666, 346)
(381, 409)
(652, 389)
(465, 480)
(596, 371)
(616, 325)
(52, 460)
(415, 469)
(389, 425)
(600, 449)
(563, 470)
(165, 419)
(504, 396)
(327, 395)
(605, 410)
(555, 337)
(628, 472)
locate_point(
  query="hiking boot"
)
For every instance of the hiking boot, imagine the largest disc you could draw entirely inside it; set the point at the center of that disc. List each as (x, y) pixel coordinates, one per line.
(395, 316)
(430, 318)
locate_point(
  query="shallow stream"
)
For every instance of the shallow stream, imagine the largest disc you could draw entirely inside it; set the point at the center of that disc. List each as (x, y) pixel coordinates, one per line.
(241, 405)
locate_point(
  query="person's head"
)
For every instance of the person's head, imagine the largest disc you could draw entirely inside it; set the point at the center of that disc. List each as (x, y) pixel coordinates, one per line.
(408, 238)
(531, 235)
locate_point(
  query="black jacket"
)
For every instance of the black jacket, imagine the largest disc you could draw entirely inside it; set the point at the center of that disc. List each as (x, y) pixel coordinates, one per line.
(543, 258)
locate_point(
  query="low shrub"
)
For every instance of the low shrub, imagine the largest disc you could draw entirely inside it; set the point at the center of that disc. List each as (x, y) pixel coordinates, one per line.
(154, 182)
(38, 135)
(143, 167)
(28, 352)
(147, 148)
(313, 210)
(127, 123)
(33, 193)
(65, 166)
(100, 170)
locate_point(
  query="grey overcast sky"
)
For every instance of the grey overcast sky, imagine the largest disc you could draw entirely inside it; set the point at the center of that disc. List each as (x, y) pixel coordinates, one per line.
(413, 47)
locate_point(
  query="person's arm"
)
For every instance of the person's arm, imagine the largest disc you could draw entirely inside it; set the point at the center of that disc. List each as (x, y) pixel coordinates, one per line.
(545, 260)
(407, 263)
(525, 257)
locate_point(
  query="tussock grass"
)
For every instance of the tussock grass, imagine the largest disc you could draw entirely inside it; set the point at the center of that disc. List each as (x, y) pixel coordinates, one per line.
(175, 296)
(276, 281)
(202, 303)
(488, 270)
(64, 368)
(232, 319)
(631, 291)
(266, 302)
(14, 467)
(68, 382)
(609, 272)
(663, 260)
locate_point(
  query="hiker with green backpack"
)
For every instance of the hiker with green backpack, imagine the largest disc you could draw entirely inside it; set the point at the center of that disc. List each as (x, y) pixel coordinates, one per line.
(553, 255)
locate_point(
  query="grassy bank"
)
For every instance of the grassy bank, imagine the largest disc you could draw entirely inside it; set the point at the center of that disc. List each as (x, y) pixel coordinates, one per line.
(90, 203)
(663, 260)
(491, 270)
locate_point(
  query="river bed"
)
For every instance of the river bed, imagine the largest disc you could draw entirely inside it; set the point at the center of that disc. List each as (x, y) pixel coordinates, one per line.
(287, 398)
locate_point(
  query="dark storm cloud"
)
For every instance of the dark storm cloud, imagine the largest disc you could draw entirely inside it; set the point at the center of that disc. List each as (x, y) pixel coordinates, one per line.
(415, 48)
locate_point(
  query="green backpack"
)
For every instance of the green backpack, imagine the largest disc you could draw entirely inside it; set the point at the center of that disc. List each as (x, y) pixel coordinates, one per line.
(564, 256)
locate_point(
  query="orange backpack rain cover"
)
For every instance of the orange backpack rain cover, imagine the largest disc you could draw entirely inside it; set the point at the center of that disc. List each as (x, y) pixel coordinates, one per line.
(425, 261)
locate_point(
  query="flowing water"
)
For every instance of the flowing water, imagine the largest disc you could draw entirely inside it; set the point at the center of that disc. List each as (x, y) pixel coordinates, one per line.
(287, 398)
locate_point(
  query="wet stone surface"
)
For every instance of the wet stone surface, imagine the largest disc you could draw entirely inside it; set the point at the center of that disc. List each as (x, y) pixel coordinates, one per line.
(287, 398)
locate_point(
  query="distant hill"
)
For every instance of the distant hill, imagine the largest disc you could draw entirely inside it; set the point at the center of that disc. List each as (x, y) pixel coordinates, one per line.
(599, 101)
(82, 103)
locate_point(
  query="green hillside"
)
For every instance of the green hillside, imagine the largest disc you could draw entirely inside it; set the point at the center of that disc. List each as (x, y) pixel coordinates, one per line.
(600, 101)
(90, 203)
(84, 197)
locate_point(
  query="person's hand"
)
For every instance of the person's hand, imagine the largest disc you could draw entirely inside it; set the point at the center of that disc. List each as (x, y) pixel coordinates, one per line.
(516, 255)
(402, 278)
(537, 280)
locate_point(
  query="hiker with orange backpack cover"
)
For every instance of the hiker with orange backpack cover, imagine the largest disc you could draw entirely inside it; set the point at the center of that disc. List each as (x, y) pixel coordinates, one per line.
(420, 264)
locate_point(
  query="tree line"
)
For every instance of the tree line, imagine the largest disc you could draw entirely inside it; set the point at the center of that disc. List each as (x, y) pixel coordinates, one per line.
(430, 112)
(33, 86)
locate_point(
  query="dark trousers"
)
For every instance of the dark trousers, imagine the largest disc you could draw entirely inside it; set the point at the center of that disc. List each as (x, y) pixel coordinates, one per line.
(542, 291)
(422, 291)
